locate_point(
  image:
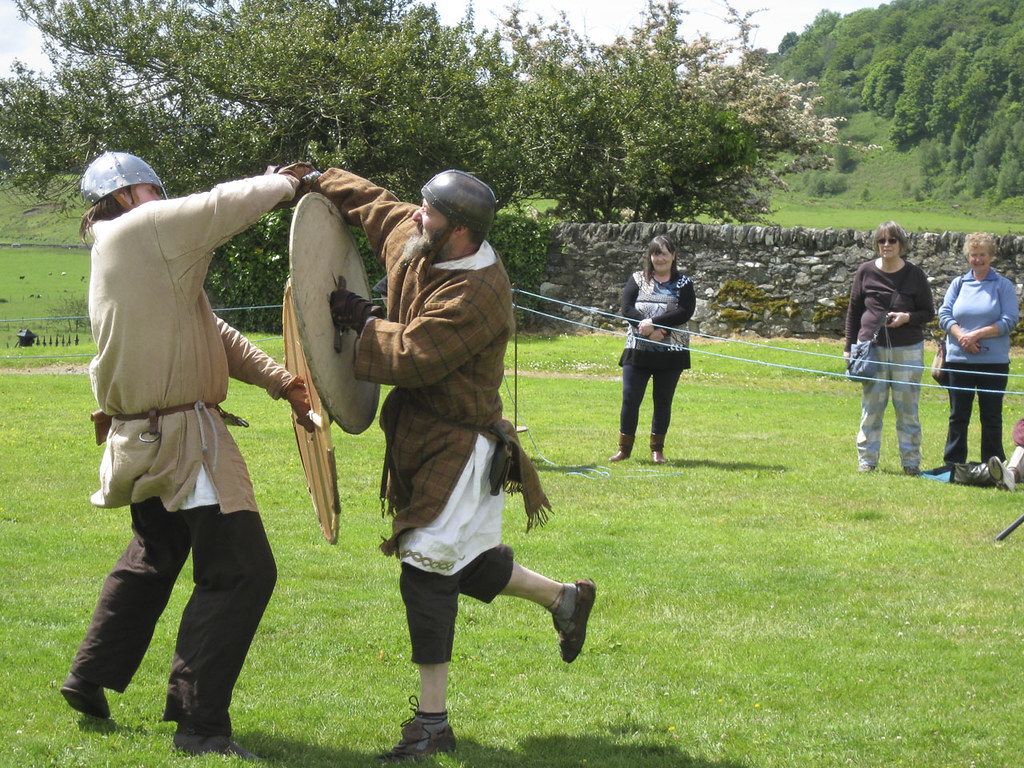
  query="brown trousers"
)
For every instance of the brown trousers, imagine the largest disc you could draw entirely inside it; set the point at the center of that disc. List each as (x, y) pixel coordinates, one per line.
(432, 600)
(234, 574)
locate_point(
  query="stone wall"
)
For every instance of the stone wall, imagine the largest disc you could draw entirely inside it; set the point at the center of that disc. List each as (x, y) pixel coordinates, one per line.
(764, 281)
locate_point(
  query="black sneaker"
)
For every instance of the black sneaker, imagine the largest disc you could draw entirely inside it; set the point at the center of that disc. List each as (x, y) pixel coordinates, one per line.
(88, 698)
(419, 742)
(572, 632)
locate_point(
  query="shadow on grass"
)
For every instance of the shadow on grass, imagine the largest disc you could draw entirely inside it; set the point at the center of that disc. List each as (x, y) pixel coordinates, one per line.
(540, 752)
(648, 467)
(599, 749)
(594, 750)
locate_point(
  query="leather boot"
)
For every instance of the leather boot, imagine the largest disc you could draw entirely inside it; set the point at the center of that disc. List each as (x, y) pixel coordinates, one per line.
(625, 447)
(657, 446)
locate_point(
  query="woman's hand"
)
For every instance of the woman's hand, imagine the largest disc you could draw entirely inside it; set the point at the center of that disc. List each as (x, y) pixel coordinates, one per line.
(968, 341)
(647, 329)
(896, 319)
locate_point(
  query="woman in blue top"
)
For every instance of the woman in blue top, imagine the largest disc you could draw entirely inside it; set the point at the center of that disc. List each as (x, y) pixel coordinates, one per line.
(978, 313)
(655, 301)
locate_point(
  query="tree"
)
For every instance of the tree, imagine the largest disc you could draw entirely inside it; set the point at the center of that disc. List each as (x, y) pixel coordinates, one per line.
(212, 90)
(651, 126)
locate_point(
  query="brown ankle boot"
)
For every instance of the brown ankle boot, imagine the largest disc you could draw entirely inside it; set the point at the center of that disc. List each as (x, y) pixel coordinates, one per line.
(625, 447)
(657, 446)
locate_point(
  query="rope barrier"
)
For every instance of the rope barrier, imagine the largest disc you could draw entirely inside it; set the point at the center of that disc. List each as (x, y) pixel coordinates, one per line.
(704, 351)
(597, 471)
(619, 318)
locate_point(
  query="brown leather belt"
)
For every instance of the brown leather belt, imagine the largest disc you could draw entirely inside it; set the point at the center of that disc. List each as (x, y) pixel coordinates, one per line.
(103, 420)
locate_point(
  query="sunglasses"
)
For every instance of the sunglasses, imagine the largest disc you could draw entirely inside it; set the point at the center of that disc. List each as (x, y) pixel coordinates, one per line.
(886, 241)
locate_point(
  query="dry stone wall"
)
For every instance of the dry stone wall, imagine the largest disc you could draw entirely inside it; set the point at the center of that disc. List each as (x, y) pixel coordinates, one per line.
(755, 280)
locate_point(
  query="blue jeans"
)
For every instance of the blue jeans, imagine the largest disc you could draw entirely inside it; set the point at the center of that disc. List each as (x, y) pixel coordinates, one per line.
(899, 372)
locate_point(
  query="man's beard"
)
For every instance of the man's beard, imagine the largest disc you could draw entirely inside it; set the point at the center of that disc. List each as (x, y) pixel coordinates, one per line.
(423, 245)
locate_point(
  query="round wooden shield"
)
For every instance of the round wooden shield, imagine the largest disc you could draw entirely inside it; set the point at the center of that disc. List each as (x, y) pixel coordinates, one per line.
(321, 249)
(316, 449)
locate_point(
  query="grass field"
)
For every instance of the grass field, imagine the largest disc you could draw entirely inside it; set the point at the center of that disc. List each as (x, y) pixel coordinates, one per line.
(826, 214)
(760, 603)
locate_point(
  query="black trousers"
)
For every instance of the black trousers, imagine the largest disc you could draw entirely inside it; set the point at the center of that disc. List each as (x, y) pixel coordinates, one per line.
(634, 387)
(432, 600)
(234, 574)
(990, 379)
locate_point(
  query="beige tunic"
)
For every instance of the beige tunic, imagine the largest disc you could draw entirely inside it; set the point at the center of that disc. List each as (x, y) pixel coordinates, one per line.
(160, 345)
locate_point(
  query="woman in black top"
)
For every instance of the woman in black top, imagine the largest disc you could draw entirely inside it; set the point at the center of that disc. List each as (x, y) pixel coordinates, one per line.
(892, 297)
(655, 300)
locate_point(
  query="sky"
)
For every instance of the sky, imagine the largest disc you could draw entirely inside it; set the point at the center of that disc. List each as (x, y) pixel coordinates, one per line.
(601, 20)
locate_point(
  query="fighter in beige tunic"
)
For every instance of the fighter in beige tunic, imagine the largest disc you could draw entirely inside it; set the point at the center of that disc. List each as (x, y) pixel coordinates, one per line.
(450, 456)
(161, 370)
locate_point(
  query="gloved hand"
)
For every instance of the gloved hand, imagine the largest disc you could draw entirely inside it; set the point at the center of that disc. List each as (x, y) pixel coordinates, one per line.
(350, 310)
(305, 173)
(297, 394)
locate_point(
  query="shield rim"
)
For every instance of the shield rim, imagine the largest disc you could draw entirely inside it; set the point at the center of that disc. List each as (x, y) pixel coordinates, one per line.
(321, 247)
(316, 449)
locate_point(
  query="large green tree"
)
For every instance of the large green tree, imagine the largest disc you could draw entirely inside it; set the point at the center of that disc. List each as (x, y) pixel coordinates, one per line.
(654, 126)
(943, 72)
(651, 126)
(205, 90)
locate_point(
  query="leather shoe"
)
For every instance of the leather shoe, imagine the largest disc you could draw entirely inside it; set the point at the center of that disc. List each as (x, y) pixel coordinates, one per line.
(199, 744)
(86, 697)
(573, 632)
(417, 742)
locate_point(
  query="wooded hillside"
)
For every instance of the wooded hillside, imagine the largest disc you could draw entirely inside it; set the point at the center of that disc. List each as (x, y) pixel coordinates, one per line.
(946, 75)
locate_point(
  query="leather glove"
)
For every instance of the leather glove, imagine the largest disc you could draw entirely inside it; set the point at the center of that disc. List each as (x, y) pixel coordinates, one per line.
(297, 394)
(305, 173)
(350, 310)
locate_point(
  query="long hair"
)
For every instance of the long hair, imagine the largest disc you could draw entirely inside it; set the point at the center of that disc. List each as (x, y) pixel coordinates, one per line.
(104, 209)
(655, 246)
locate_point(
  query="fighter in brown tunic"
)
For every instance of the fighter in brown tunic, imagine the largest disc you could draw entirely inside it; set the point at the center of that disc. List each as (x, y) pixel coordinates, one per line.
(450, 456)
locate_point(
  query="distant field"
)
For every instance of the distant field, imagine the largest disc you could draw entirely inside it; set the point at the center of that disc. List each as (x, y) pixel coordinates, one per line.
(37, 282)
(31, 222)
(825, 215)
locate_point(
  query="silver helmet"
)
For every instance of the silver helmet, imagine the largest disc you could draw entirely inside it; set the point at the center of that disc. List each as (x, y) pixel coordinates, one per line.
(462, 199)
(112, 171)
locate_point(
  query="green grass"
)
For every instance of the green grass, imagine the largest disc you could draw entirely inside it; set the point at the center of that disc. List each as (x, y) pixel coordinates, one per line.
(29, 221)
(887, 183)
(40, 283)
(791, 211)
(760, 603)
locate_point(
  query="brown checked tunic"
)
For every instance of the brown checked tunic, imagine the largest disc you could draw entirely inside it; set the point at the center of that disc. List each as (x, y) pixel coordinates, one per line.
(442, 347)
